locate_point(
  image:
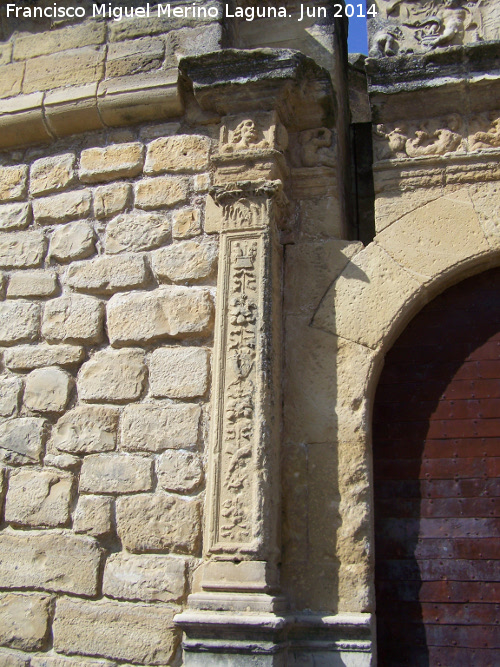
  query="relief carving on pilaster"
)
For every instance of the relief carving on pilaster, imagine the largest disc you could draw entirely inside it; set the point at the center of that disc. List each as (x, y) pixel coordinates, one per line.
(485, 131)
(314, 148)
(262, 131)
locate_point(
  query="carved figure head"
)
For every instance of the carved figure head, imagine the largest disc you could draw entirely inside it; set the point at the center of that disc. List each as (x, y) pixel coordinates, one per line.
(246, 133)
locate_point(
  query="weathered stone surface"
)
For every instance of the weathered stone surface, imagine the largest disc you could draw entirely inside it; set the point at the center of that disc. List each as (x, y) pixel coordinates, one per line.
(151, 578)
(110, 162)
(136, 231)
(14, 216)
(47, 389)
(52, 561)
(185, 261)
(201, 183)
(213, 217)
(169, 312)
(13, 182)
(14, 659)
(179, 471)
(72, 241)
(187, 223)
(106, 275)
(115, 473)
(62, 461)
(28, 45)
(38, 498)
(22, 440)
(93, 516)
(111, 199)
(73, 319)
(5, 53)
(19, 250)
(135, 56)
(179, 372)
(182, 153)
(137, 633)
(62, 208)
(24, 620)
(86, 429)
(32, 284)
(10, 393)
(11, 79)
(152, 428)
(73, 67)
(158, 521)
(27, 357)
(63, 661)
(161, 192)
(52, 173)
(113, 375)
(19, 321)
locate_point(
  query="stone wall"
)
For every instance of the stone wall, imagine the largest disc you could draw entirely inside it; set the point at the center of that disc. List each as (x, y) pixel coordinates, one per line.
(106, 322)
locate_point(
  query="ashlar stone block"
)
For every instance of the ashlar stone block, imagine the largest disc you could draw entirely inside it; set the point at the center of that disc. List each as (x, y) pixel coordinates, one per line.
(112, 199)
(113, 375)
(136, 231)
(39, 498)
(188, 153)
(38, 283)
(187, 261)
(75, 319)
(137, 633)
(13, 182)
(52, 561)
(10, 394)
(52, 173)
(47, 389)
(24, 620)
(14, 216)
(93, 516)
(47, 660)
(158, 522)
(22, 250)
(106, 275)
(72, 241)
(180, 471)
(161, 192)
(169, 312)
(62, 208)
(179, 372)
(27, 357)
(115, 473)
(22, 440)
(87, 429)
(187, 223)
(72, 67)
(151, 578)
(111, 162)
(19, 321)
(153, 428)
(14, 659)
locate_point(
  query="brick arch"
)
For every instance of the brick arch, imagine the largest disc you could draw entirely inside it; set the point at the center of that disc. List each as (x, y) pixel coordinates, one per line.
(368, 305)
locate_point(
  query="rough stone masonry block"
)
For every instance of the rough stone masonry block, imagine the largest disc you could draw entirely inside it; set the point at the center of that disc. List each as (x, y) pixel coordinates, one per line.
(28, 45)
(10, 393)
(47, 660)
(38, 498)
(52, 173)
(107, 275)
(87, 429)
(135, 56)
(185, 261)
(72, 241)
(73, 67)
(93, 515)
(52, 561)
(27, 357)
(115, 473)
(74, 318)
(127, 631)
(47, 389)
(110, 162)
(62, 208)
(14, 216)
(153, 428)
(24, 620)
(136, 231)
(179, 372)
(113, 375)
(19, 321)
(14, 659)
(180, 471)
(22, 440)
(161, 192)
(169, 312)
(188, 153)
(13, 182)
(187, 223)
(21, 250)
(112, 199)
(38, 283)
(11, 79)
(151, 578)
(158, 521)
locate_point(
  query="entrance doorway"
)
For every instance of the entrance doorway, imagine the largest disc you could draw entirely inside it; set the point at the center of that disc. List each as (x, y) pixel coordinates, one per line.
(436, 448)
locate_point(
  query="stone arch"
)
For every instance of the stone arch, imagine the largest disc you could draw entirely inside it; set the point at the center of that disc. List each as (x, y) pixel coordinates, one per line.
(367, 306)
